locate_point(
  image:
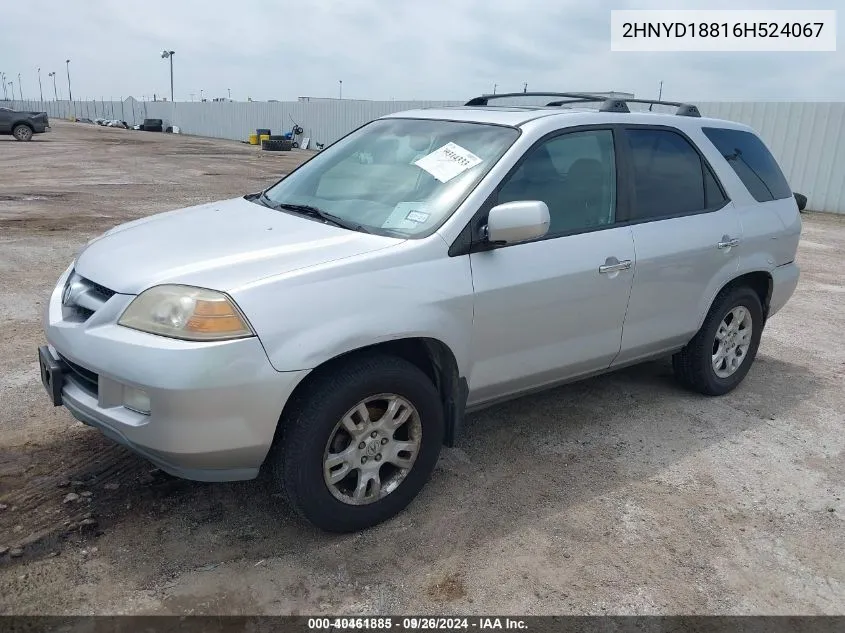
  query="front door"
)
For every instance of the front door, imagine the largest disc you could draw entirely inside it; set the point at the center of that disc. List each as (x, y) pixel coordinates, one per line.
(553, 308)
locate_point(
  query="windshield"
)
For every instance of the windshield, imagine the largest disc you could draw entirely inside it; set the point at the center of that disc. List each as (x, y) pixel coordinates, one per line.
(397, 176)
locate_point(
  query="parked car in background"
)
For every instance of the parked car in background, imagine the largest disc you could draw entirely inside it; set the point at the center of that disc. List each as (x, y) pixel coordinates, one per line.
(23, 125)
(337, 326)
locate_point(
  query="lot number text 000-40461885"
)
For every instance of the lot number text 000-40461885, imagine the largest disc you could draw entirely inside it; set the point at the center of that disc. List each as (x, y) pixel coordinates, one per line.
(728, 30)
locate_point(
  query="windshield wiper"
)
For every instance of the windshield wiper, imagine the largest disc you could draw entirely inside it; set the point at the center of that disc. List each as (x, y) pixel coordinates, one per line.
(314, 212)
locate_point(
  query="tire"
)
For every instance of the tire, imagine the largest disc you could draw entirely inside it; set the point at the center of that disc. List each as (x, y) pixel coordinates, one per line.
(694, 364)
(272, 146)
(313, 420)
(22, 132)
(294, 145)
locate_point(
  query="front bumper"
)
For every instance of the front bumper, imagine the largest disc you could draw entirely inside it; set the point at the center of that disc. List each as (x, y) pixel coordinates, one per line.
(214, 407)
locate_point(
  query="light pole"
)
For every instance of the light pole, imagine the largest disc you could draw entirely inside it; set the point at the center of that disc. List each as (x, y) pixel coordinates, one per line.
(40, 91)
(3, 81)
(201, 97)
(340, 82)
(69, 91)
(494, 88)
(230, 93)
(20, 91)
(525, 87)
(12, 84)
(169, 55)
(55, 92)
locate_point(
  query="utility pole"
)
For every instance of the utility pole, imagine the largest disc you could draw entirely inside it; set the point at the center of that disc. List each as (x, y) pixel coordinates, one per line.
(169, 55)
(69, 91)
(659, 96)
(40, 91)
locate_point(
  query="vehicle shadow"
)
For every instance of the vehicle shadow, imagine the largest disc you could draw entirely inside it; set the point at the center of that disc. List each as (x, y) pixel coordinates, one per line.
(517, 466)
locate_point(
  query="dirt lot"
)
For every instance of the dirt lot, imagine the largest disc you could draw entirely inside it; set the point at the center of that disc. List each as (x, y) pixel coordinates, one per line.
(622, 494)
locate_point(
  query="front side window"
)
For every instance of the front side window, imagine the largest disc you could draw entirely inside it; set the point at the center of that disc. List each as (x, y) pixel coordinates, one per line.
(400, 177)
(574, 174)
(752, 161)
(670, 177)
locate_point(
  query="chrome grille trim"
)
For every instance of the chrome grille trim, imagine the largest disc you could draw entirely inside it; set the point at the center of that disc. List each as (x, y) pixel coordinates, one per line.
(84, 296)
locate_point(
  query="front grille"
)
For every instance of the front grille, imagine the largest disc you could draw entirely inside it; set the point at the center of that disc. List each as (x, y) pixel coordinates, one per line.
(83, 296)
(85, 378)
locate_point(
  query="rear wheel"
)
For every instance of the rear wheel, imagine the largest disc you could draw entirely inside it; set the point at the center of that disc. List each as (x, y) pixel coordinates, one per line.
(716, 360)
(22, 132)
(359, 442)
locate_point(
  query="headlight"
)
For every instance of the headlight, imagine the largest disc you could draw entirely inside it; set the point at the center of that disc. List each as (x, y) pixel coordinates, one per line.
(184, 312)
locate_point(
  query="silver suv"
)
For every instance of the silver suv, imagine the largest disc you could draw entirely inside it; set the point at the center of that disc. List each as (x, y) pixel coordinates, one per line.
(338, 326)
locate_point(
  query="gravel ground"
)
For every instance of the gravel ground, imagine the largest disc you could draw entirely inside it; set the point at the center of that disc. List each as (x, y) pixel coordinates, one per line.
(620, 494)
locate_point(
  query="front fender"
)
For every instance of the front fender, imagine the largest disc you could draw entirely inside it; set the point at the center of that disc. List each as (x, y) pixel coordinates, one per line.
(309, 317)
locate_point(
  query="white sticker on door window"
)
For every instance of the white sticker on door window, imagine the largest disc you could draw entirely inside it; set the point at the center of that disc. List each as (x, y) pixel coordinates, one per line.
(447, 162)
(406, 215)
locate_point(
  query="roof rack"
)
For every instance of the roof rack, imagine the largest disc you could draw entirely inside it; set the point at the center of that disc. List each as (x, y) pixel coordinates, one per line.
(608, 104)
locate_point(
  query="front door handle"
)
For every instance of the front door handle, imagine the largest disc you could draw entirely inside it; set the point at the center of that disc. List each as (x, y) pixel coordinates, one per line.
(614, 266)
(728, 242)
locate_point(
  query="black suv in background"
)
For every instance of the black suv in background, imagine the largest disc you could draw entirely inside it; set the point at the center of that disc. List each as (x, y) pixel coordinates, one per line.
(22, 125)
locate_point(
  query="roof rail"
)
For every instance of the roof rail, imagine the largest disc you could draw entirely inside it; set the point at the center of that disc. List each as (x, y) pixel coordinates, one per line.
(608, 104)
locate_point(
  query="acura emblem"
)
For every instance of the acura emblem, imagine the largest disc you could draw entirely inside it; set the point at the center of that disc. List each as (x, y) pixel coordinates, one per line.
(72, 290)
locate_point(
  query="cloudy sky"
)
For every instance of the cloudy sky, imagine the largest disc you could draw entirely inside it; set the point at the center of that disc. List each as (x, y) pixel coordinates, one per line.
(383, 49)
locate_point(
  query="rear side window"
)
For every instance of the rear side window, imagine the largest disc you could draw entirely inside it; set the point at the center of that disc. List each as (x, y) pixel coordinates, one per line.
(670, 178)
(752, 162)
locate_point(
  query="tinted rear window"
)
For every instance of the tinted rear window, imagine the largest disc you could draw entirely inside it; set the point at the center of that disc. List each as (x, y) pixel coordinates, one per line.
(752, 162)
(669, 177)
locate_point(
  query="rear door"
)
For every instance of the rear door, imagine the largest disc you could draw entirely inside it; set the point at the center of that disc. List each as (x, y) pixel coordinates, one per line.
(686, 235)
(553, 308)
(5, 120)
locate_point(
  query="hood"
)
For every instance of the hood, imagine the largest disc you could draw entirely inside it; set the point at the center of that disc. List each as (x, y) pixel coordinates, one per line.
(221, 245)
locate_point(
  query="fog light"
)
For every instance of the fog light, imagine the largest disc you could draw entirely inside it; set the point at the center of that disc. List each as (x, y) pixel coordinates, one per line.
(136, 400)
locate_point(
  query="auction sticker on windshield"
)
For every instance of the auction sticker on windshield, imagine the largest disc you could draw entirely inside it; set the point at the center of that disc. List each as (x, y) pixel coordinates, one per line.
(447, 162)
(406, 215)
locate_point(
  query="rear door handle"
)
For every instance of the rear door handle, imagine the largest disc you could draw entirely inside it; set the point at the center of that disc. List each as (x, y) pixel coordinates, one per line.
(625, 264)
(728, 243)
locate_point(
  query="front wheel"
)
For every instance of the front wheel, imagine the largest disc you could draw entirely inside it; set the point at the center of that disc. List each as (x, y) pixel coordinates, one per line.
(359, 442)
(716, 360)
(22, 132)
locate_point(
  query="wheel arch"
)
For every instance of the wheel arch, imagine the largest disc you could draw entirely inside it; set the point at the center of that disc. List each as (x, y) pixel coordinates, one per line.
(430, 355)
(760, 281)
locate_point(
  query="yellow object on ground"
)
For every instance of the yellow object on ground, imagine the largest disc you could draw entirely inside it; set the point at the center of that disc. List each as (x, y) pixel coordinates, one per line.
(264, 137)
(253, 139)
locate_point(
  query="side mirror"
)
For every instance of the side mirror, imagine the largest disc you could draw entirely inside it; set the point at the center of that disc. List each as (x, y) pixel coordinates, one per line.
(520, 221)
(801, 200)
